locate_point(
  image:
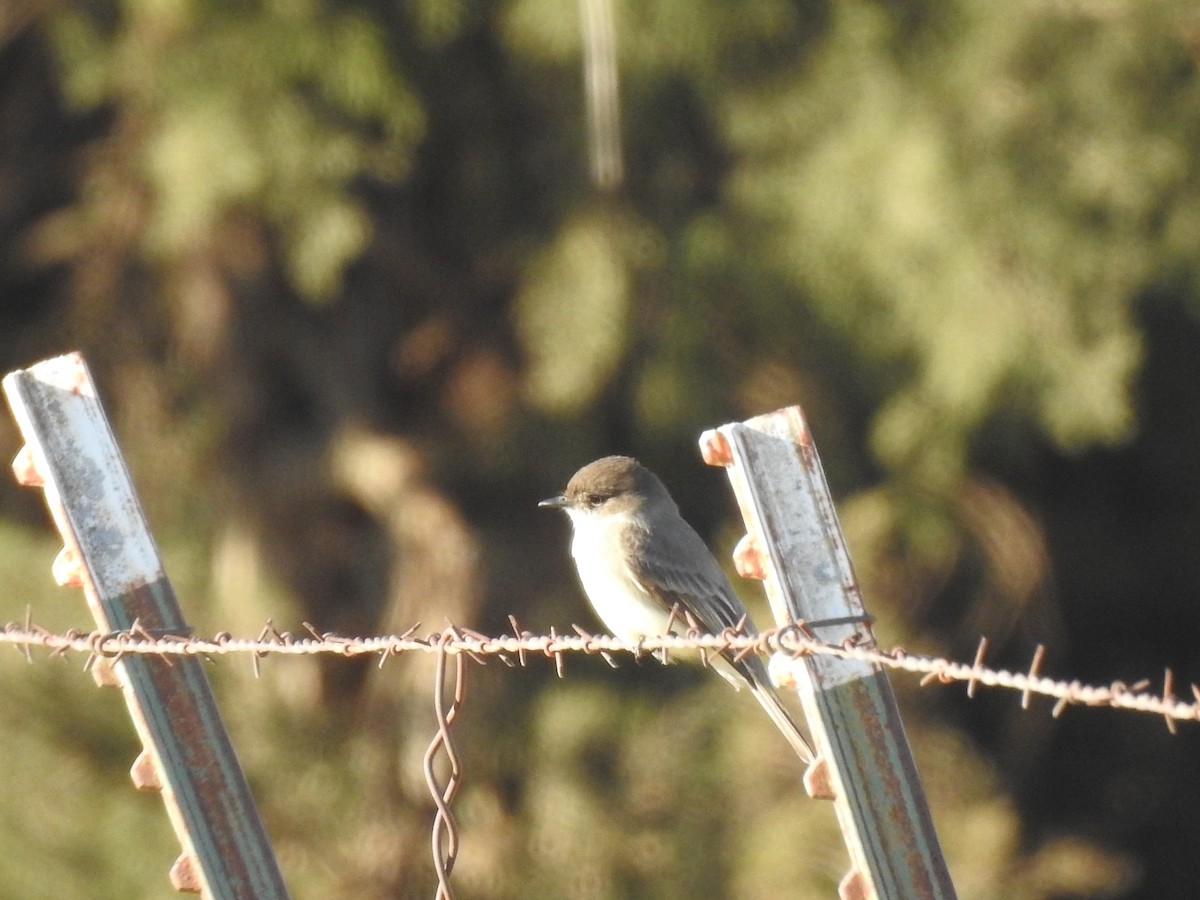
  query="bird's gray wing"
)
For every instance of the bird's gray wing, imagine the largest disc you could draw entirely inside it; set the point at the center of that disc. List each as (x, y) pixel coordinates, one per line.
(675, 566)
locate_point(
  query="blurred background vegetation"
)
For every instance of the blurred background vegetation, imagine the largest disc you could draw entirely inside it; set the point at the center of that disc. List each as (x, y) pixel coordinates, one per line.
(361, 282)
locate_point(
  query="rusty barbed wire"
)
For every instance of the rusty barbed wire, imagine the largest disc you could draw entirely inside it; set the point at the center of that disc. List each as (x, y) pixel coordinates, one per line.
(515, 650)
(794, 641)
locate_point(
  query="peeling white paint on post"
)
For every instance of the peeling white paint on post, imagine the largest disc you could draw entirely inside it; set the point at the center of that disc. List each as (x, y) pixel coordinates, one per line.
(70, 443)
(108, 551)
(864, 755)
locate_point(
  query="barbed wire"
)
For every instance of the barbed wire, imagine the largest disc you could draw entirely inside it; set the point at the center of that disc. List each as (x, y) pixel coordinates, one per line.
(516, 649)
(795, 642)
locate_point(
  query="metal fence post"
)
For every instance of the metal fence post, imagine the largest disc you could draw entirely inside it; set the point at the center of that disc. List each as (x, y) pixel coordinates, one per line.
(109, 552)
(794, 542)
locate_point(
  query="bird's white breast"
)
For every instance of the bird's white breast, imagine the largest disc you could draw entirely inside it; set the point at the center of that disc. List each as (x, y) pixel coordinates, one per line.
(626, 608)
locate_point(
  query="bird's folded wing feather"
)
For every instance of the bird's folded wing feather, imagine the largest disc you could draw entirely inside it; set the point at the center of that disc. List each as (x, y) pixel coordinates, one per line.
(698, 584)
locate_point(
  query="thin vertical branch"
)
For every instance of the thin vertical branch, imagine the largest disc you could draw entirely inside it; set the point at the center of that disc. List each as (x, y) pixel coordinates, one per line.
(602, 93)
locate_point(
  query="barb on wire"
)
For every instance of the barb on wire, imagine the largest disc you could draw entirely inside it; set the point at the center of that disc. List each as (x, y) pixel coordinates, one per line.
(1168, 696)
(516, 649)
(976, 668)
(445, 827)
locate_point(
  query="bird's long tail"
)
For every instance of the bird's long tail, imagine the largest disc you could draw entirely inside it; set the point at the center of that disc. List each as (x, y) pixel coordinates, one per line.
(769, 701)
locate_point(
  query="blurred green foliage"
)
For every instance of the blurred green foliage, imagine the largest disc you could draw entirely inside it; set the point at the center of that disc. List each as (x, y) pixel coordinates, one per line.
(244, 111)
(355, 307)
(573, 348)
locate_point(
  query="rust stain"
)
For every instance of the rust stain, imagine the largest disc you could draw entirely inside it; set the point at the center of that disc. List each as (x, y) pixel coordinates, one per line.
(817, 782)
(715, 449)
(144, 773)
(749, 559)
(25, 468)
(67, 569)
(184, 876)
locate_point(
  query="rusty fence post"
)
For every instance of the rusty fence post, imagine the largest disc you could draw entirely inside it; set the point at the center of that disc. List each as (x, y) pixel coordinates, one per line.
(109, 552)
(864, 761)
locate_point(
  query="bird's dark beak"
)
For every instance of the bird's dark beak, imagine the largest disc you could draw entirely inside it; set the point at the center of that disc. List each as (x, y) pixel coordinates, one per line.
(556, 502)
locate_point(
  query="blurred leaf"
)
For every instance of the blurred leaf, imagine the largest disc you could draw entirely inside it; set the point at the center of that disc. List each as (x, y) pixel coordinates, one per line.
(271, 107)
(572, 314)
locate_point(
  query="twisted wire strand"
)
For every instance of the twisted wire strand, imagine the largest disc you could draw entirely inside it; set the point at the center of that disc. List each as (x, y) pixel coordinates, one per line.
(444, 833)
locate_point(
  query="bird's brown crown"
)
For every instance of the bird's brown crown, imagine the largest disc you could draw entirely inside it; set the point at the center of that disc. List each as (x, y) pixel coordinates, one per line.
(611, 477)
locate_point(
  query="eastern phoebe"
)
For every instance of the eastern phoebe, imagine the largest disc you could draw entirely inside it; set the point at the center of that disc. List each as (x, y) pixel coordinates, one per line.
(637, 558)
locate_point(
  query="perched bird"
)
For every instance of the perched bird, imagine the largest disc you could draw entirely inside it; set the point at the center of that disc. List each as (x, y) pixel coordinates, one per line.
(637, 559)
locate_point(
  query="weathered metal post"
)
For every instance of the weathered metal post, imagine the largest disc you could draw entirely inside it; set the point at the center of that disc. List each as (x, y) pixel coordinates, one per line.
(109, 552)
(864, 764)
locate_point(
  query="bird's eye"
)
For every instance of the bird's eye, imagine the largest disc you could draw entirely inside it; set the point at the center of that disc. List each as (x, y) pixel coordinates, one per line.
(593, 499)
